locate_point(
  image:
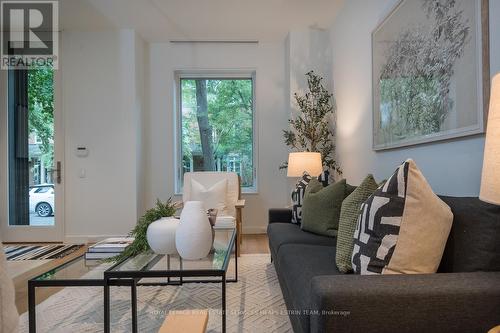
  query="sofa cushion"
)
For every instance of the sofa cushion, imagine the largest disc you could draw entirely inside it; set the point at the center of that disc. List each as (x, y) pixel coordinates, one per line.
(321, 208)
(474, 241)
(349, 214)
(403, 227)
(289, 233)
(299, 263)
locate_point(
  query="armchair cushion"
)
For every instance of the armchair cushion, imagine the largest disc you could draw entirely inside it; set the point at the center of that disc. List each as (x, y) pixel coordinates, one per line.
(213, 197)
(209, 179)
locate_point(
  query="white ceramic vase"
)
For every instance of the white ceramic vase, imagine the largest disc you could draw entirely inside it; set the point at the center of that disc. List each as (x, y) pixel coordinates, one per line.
(194, 234)
(161, 235)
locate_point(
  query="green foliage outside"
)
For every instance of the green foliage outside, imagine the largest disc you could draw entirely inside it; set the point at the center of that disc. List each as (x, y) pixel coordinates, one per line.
(140, 244)
(230, 118)
(41, 110)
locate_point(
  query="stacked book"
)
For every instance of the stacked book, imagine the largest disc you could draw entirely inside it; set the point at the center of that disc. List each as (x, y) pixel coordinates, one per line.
(225, 222)
(108, 248)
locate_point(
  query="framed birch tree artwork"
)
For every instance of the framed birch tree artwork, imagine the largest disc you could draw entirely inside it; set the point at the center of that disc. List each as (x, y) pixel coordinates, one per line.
(430, 72)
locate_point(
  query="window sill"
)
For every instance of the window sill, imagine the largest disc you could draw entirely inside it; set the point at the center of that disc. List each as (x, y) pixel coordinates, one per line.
(249, 192)
(243, 192)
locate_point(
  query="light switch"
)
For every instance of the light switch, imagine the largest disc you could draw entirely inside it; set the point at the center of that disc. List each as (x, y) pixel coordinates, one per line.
(82, 173)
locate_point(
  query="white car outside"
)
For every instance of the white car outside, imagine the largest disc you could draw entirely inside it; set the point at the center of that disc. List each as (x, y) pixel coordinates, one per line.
(42, 200)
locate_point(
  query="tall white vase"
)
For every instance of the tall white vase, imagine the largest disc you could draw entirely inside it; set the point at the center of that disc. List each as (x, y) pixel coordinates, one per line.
(193, 237)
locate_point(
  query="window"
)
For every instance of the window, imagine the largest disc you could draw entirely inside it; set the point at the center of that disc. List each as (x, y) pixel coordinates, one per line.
(216, 125)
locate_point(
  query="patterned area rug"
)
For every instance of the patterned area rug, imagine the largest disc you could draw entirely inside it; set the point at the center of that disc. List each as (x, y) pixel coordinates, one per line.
(254, 304)
(39, 252)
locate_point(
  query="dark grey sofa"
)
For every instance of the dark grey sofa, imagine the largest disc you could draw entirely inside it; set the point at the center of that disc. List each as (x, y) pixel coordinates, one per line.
(464, 296)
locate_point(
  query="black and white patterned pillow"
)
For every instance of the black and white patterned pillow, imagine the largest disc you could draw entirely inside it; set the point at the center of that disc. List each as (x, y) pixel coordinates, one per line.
(324, 178)
(298, 197)
(378, 224)
(403, 227)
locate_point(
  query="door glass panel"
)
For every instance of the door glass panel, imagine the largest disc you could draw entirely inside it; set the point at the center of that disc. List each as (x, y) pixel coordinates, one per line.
(31, 147)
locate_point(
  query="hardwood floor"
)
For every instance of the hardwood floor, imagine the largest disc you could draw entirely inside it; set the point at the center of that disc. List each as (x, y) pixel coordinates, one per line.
(252, 244)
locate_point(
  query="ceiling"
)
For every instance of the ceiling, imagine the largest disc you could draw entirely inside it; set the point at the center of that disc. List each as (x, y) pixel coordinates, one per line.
(165, 20)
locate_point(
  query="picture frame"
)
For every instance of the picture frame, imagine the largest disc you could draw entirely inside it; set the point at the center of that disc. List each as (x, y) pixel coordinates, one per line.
(430, 72)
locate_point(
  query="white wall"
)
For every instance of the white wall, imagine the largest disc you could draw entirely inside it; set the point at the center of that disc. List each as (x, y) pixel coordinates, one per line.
(102, 92)
(308, 49)
(271, 112)
(140, 105)
(452, 167)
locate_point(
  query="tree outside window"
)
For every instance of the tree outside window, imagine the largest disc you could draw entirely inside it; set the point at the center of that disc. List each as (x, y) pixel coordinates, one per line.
(217, 126)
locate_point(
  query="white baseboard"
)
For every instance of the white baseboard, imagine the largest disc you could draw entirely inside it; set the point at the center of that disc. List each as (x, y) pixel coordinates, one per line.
(84, 239)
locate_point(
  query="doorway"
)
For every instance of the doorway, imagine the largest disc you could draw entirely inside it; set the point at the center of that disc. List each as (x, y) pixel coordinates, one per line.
(33, 154)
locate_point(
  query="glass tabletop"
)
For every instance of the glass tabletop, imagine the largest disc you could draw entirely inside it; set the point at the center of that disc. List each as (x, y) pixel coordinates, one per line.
(77, 269)
(81, 269)
(217, 259)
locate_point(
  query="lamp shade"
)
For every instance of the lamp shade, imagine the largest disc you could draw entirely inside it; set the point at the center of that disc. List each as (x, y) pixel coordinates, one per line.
(490, 181)
(298, 163)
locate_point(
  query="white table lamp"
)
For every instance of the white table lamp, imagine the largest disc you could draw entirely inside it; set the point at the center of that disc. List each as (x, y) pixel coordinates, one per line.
(490, 181)
(301, 162)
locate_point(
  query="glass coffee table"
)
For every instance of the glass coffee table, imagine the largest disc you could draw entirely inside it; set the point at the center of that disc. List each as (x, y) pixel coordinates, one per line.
(147, 269)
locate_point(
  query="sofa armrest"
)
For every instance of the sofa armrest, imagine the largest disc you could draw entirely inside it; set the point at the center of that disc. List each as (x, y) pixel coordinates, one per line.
(240, 204)
(281, 215)
(443, 302)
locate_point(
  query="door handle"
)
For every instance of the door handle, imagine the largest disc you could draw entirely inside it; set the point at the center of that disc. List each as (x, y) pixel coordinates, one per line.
(57, 170)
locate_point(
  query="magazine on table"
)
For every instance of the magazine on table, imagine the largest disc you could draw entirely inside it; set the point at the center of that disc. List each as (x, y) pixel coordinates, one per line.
(111, 245)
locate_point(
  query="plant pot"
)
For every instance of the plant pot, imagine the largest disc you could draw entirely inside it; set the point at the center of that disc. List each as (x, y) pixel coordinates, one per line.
(193, 238)
(161, 235)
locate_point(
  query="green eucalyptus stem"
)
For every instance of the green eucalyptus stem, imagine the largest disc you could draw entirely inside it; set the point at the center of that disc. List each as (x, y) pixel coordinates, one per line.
(140, 244)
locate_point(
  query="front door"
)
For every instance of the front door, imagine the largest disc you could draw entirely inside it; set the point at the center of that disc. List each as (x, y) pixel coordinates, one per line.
(33, 156)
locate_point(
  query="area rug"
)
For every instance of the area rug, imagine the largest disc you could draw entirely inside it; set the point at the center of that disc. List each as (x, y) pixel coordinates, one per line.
(254, 304)
(39, 252)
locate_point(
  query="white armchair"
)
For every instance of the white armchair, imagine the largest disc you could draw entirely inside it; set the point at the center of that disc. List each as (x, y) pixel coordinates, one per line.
(219, 190)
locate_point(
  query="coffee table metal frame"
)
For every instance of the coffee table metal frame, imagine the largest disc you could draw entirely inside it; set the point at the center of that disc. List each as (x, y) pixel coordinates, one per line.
(132, 279)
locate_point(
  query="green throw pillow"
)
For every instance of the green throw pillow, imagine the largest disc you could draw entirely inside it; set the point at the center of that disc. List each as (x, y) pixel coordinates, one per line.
(321, 207)
(349, 189)
(349, 214)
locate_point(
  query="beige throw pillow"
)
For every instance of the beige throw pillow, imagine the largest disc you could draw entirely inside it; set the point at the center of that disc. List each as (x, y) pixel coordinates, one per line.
(402, 228)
